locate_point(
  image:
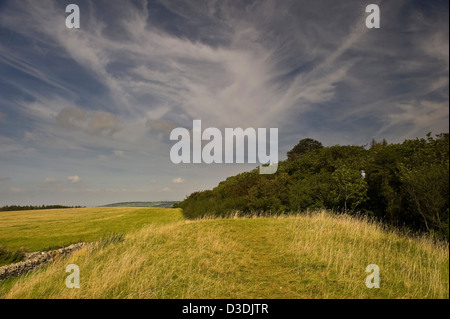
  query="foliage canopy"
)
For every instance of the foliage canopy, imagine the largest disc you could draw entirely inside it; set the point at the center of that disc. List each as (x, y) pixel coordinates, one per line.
(403, 184)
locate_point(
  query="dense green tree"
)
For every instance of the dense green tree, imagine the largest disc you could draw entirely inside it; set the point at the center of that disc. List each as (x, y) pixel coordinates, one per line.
(304, 146)
(351, 188)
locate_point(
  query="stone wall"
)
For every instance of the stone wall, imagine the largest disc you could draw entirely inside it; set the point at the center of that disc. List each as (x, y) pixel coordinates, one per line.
(36, 260)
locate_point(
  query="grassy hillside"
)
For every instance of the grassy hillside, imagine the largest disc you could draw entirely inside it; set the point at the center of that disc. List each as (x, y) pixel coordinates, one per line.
(316, 256)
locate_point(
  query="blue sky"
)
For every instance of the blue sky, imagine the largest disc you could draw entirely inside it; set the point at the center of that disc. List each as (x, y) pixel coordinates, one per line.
(85, 114)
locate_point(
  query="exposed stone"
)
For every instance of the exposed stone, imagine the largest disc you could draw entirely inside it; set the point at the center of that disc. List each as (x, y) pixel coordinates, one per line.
(35, 260)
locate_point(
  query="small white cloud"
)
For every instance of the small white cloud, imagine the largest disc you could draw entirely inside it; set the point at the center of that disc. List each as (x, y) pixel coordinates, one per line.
(74, 179)
(16, 190)
(166, 189)
(95, 123)
(50, 180)
(102, 122)
(178, 180)
(71, 117)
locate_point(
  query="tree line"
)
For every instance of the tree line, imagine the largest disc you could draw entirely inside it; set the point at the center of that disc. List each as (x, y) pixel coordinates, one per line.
(404, 184)
(31, 207)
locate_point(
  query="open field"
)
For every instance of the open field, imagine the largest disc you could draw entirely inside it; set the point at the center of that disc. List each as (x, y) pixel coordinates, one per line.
(315, 256)
(38, 230)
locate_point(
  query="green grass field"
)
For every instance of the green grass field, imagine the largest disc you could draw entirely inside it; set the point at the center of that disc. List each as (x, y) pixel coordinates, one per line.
(38, 230)
(164, 256)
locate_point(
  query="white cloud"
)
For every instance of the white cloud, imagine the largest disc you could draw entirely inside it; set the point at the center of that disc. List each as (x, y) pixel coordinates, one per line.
(74, 179)
(166, 189)
(16, 190)
(178, 180)
(417, 116)
(230, 85)
(437, 46)
(96, 122)
(50, 180)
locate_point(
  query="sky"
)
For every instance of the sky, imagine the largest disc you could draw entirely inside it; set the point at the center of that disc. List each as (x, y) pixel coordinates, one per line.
(86, 114)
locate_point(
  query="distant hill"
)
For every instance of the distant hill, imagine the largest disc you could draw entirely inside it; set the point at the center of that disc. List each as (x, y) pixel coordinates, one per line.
(163, 204)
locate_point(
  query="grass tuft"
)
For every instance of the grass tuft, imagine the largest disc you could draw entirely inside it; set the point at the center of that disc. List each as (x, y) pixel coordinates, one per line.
(109, 239)
(8, 256)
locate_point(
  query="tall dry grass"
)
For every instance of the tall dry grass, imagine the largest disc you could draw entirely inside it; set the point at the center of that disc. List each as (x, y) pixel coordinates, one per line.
(313, 256)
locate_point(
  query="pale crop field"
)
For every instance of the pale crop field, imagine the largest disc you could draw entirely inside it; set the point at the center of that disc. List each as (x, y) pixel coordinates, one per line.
(304, 256)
